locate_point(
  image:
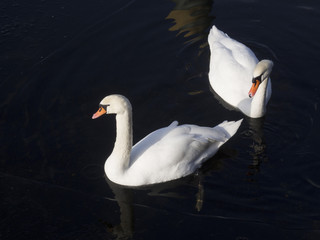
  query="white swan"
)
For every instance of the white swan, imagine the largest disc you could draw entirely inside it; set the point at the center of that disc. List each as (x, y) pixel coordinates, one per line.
(233, 69)
(166, 154)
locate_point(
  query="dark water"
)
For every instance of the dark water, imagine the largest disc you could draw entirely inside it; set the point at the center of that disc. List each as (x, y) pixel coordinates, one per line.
(60, 58)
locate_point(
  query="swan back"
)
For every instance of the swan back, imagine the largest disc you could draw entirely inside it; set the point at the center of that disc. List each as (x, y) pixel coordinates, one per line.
(226, 49)
(176, 151)
(231, 65)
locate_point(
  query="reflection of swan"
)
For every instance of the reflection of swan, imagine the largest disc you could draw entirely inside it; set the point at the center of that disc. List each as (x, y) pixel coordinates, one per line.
(165, 154)
(192, 18)
(258, 147)
(232, 67)
(124, 198)
(173, 190)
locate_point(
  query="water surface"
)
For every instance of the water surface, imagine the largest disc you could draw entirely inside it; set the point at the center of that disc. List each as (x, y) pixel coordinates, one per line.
(59, 59)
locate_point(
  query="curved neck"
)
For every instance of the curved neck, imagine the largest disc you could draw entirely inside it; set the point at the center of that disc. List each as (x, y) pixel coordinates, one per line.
(118, 161)
(258, 104)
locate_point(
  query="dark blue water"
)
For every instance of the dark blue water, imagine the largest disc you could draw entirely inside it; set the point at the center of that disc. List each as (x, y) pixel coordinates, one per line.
(60, 58)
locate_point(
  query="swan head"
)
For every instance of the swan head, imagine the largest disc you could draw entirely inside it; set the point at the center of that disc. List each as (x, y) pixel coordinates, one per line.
(261, 73)
(113, 104)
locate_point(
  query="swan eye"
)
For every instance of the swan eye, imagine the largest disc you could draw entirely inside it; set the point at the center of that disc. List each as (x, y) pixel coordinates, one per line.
(103, 106)
(254, 80)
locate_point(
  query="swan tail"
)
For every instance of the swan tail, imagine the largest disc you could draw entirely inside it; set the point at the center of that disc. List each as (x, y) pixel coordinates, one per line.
(215, 34)
(229, 128)
(174, 124)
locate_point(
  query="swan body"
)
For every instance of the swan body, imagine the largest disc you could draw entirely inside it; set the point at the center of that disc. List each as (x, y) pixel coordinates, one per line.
(234, 68)
(166, 154)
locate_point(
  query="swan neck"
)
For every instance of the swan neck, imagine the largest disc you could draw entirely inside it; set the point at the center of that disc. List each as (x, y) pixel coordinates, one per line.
(258, 105)
(118, 161)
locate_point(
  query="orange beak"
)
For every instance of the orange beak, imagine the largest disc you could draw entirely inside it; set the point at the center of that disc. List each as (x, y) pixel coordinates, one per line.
(254, 88)
(99, 113)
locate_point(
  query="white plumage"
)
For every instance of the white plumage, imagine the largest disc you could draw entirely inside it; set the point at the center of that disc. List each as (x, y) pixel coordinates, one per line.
(233, 68)
(166, 154)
